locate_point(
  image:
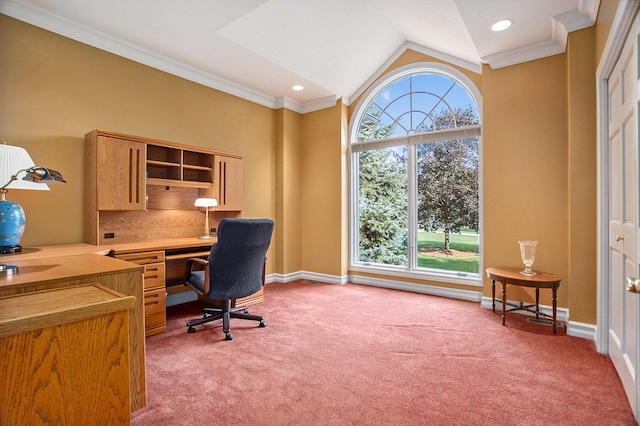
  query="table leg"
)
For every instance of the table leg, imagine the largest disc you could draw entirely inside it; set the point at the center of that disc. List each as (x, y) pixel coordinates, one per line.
(493, 295)
(555, 305)
(504, 301)
(537, 303)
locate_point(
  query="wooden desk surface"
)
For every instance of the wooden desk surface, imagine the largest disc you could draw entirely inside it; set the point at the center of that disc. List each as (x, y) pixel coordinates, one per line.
(32, 311)
(38, 270)
(81, 248)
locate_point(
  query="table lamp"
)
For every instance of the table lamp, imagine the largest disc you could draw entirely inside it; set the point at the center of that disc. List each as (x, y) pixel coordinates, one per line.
(13, 162)
(206, 203)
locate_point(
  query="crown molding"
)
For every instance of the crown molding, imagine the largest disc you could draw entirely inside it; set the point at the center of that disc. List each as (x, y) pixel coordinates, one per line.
(562, 25)
(43, 19)
(524, 54)
(303, 108)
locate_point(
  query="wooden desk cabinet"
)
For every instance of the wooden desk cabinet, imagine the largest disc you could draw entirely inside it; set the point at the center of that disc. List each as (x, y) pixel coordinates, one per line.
(164, 272)
(65, 357)
(44, 273)
(155, 319)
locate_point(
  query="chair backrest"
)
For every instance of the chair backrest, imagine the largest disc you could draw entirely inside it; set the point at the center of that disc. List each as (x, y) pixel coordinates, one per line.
(237, 260)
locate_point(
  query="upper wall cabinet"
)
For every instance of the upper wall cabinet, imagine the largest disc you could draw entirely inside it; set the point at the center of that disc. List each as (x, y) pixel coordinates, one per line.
(228, 178)
(125, 173)
(115, 171)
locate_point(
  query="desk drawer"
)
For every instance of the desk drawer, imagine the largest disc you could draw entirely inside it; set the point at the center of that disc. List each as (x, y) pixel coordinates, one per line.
(142, 258)
(155, 320)
(153, 276)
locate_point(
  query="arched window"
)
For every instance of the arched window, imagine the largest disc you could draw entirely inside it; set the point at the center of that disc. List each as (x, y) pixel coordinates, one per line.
(415, 198)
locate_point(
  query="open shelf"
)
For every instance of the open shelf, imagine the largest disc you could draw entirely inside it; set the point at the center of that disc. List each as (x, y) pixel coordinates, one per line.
(179, 167)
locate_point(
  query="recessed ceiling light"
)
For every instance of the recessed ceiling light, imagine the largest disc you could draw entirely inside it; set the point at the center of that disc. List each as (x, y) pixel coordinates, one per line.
(502, 25)
(297, 87)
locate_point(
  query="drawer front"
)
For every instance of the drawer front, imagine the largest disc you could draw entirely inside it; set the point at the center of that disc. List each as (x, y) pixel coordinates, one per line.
(154, 310)
(143, 258)
(153, 276)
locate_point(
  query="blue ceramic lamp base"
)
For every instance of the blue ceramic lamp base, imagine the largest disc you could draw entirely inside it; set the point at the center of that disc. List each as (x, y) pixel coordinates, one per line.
(11, 223)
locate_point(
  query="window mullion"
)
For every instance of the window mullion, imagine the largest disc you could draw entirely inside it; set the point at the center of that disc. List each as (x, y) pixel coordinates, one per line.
(412, 213)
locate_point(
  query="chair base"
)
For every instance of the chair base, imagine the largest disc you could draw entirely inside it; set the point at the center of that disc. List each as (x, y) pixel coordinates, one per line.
(214, 314)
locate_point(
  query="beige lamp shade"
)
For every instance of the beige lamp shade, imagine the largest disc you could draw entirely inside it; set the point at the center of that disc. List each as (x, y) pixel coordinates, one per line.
(12, 160)
(206, 202)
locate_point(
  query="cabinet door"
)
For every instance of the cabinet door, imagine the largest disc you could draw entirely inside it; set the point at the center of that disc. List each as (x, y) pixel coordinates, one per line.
(228, 183)
(120, 167)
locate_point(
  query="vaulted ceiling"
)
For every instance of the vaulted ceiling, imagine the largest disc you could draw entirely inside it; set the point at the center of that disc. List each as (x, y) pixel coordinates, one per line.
(259, 49)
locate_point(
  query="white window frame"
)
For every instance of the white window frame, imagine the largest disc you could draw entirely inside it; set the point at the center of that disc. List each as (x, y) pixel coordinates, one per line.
(411, 270)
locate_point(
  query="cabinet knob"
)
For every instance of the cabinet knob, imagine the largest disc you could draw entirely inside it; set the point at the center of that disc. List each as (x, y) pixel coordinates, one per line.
(619, 238)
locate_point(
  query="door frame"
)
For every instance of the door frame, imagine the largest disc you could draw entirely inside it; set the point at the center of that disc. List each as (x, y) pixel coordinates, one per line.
(620, 29)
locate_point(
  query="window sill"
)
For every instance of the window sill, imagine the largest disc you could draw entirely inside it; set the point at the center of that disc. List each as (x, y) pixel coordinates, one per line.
(449, 277)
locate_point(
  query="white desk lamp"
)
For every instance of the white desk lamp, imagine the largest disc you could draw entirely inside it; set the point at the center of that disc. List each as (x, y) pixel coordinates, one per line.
(206, 203)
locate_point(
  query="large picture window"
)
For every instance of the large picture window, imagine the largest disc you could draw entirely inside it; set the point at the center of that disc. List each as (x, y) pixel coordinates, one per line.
(415, 193)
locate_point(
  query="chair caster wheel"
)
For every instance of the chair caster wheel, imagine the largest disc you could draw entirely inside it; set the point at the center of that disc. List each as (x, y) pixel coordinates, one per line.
(191, 330)
(262, 324)
(228, 336)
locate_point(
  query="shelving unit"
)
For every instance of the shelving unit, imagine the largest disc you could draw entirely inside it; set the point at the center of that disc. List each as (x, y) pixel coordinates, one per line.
(179, 167)
(133, 182)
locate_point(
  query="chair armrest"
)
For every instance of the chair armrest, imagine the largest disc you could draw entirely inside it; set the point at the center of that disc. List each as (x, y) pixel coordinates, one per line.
(191, 262)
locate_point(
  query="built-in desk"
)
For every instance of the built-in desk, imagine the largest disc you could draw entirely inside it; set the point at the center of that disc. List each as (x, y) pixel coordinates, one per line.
(46, 267)
(42, 270)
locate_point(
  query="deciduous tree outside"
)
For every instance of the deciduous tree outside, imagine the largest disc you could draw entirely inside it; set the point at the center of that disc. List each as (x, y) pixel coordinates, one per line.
(448, 178)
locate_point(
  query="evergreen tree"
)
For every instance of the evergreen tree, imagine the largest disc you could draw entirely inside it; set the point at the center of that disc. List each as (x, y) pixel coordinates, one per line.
(382, 202)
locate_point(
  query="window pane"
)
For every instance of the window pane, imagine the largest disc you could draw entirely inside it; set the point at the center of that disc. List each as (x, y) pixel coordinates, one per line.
(396, 131)
(438, 98)
(448, 205)
(382, 206)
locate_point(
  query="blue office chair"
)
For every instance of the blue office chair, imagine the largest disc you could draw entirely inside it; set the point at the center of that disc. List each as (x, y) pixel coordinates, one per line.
(235, 268)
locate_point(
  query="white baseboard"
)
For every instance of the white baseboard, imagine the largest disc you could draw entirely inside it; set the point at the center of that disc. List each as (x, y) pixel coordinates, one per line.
(562, 314)
(452, 293)
(574, 328)
(473, 296)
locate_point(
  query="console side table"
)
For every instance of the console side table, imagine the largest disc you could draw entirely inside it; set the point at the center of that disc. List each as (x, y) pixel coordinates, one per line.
(514, 277)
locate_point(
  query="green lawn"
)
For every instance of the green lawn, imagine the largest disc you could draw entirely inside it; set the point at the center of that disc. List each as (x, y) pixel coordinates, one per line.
(456, 242)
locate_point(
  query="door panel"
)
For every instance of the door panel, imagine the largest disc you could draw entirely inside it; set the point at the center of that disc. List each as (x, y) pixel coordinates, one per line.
(623, 218)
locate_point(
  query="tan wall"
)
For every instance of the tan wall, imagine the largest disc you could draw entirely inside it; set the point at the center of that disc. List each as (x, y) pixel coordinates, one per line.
(525, 167)
(323, 183)
(53, 90)
(288, 191)
(583, 181)
(606, 12)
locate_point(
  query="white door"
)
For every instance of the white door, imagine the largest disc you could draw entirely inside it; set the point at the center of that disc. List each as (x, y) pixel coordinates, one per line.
(624, 95)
